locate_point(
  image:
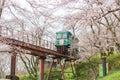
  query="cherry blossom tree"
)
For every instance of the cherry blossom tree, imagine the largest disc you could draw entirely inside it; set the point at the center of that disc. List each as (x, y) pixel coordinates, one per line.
(98, 21)
(2, 2)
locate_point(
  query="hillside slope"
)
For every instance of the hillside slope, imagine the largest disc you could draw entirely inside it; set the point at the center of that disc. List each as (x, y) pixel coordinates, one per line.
(113, 76)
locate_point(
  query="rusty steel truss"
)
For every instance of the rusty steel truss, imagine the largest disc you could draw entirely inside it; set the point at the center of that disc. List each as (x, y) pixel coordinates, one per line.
(38, 48)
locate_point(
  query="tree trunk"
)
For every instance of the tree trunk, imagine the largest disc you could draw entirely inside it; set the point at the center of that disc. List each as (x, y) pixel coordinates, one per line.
(1, 9)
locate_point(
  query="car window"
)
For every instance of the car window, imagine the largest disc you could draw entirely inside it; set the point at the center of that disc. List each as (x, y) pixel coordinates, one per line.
(64, 35)
(59, 36)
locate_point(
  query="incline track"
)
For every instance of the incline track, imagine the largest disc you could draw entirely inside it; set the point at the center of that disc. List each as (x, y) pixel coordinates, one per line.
(31, 47)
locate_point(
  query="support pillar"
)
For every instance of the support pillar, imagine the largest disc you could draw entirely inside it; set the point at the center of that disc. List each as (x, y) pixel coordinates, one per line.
(104, 65)
(42, 68)
(13, 64)
(50, 69)
(12, 75)
(62, 70)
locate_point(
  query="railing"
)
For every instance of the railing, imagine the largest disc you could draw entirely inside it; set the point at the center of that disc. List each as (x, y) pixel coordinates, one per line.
(26, 37)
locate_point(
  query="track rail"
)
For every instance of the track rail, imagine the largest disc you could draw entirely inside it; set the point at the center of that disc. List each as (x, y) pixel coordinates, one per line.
(39, 51)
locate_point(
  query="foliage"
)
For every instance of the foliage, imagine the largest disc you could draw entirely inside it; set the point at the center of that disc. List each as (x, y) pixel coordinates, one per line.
(54, 75)
(114, 76)
(24, 77)
(114, 61)
(88, 68)
(69, 74)
(31, 64)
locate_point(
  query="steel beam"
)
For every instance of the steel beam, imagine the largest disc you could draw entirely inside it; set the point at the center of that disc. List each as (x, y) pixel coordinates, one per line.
(42, 68)
(13, 65)
(62, 70)
(50, 69)
(28, 46)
